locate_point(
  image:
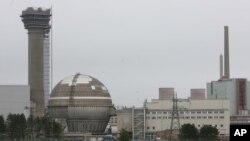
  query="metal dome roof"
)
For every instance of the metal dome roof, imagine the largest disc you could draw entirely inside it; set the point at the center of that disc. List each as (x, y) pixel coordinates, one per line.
(80, 85)
(83, 101)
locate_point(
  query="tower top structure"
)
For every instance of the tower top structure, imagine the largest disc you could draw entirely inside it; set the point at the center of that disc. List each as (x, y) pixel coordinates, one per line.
(36, 18)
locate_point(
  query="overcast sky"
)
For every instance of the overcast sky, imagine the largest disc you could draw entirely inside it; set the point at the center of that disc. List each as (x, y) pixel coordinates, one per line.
(132, 46)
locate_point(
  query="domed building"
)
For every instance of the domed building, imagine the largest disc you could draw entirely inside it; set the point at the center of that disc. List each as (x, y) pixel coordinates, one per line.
(83, 101)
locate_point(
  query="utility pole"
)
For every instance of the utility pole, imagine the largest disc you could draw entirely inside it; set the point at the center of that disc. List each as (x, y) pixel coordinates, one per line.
(175, 120)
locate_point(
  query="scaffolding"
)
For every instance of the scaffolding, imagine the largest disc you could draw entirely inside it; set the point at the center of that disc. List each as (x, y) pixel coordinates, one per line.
(46, 66)
(138, 123)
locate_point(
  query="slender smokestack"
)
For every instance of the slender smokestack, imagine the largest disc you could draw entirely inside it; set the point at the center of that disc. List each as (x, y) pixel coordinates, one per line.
(221, 66)
(226, 53)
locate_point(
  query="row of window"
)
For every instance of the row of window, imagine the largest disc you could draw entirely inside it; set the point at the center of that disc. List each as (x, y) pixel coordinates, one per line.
(187, 117)
(190, 112)
(199, 126)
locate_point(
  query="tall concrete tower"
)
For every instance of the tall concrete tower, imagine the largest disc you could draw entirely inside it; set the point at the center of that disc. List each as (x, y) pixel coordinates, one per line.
(226, 53)
(221, 66)
(36, 21)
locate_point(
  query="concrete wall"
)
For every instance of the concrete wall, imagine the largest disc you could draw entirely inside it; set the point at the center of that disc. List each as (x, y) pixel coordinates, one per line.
(14, 99)
(248, 94)
(166, 93)
(197, 94)
(35, 69)
(229, 89)
(225, 89)
(124, 119)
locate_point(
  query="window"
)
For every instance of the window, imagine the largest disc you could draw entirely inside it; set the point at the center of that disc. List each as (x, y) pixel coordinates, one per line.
(192, 117)
(153, 117)
(221, 125)
(210, 112)
(210, 117)
(153, 127)
(193, 112)
(198, 117)
(153, 112)
(158, 117)
(204, 117)
(165, 112)
(221, 112)
(204, 112)
(215, 117)
(147, 127)
(216, 112)
(198, 112)
(221, 117)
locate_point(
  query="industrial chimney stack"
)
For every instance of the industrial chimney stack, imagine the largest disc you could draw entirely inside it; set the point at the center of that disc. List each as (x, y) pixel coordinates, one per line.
(221, 66)
(226, 54)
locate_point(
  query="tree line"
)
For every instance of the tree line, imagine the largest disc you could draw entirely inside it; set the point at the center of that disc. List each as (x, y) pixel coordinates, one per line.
(16, 126)
(189, 132)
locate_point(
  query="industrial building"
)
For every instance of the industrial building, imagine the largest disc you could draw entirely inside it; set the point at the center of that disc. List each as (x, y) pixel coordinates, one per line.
(236, 90)
(15, 99)
(83, 102)
(168, 93)
(153, 119)
(36, 21)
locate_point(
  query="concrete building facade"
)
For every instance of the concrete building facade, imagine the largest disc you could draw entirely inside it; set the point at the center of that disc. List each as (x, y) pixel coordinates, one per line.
(124, 119)
(236, 90)
(197, 112)
(15, 99)
(149, 121)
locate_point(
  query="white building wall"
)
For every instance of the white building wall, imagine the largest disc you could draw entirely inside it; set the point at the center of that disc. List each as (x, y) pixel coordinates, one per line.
(14, 99)
(197, 112)
(124, 119)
